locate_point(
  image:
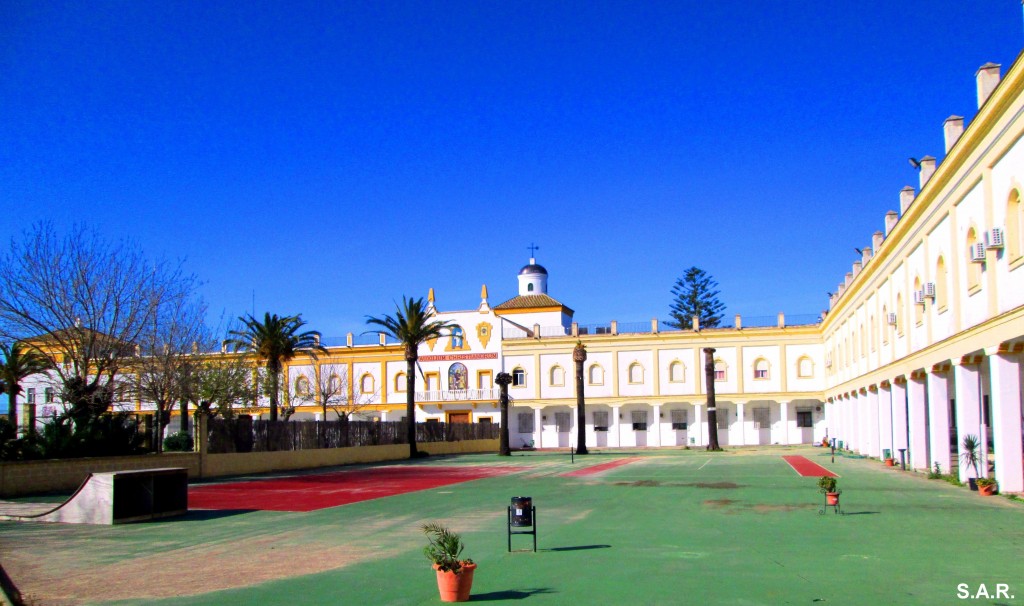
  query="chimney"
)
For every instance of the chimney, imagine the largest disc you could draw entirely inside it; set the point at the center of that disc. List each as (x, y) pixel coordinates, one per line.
(876, 241)
(840, 290)
(865, 254)
(927, 169)
(832, 301)
(988, 80)
(890, 221)
(907, 196)
(856, 268)
(849, 278)
(952, 128)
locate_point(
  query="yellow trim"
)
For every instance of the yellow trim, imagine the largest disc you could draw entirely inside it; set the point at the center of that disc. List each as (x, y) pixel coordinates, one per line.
(480, 374)
(362, 383)
(629, 373)
(484, 330)
(405, 382)
(590, 376)
(551, 376)
(451, 340)
(426, 380)
(682, 366)
(448, 415)
(522, 385)
(768, 371)
(528, 310)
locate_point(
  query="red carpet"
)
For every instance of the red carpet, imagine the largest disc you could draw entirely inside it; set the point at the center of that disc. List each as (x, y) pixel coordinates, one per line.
(807, 467)
(309, 493)
(589, 471)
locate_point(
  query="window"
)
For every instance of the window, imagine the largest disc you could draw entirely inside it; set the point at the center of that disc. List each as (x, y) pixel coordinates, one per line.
(636, 373)
(680, 419)
(1013, 226)
(400, 383)
(529, 287)
(940, 284)
(918, 307)
(804, 368)
(722, 418)
(885, 325)
(30, 395)
(433, 381)
(595, 375)
(334, 384)
(899, 315)
(874, 334)
(484, 379)
(458, 337)
(676, 372)
(803, 418)
(761, 368)
(973, 267)
(639, 420)
(720, 369)
(761, 418)
(48, 395)
(557, 378)
(518, 377)
(600, 420)
(563, 422)
(863, 342)
(302, 386)
(526, 422)
(366, 383)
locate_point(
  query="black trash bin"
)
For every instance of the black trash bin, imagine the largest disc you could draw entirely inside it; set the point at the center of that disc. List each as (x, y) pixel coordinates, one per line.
(522, 511)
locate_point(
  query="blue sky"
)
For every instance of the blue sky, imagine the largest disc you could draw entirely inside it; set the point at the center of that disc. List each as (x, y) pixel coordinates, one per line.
(327, 158)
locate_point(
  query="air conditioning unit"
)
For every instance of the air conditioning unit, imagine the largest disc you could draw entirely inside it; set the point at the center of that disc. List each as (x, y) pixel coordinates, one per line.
(892, 319)
(918, 297)
(995, 237)
(978, 253)
(929, 289)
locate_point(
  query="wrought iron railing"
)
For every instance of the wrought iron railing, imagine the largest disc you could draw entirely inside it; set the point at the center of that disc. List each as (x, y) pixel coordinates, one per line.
(456, 395)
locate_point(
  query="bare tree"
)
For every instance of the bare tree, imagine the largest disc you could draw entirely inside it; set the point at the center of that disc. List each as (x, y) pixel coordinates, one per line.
(86, 303)
(222, 383)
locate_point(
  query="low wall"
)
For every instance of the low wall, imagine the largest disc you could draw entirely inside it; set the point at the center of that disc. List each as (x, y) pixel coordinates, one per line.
(62, 475)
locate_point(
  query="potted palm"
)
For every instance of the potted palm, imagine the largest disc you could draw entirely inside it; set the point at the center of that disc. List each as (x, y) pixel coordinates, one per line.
(454, 574)
(970, 458)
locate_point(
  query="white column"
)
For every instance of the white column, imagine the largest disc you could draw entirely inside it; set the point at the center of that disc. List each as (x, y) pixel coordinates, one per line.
(784, 421)
(871, 427)
(538, 428)
(614, 429)
(698, 422)
(657, 424)
(899, 419)
(885, 421)
(742, 419)
(851, 423)
(968, 417)
(1004, 371)
(863, 436)
(918, 424)
(938, 420)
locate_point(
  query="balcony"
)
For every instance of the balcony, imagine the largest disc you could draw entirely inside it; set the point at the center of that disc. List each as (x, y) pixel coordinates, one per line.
(458, 395)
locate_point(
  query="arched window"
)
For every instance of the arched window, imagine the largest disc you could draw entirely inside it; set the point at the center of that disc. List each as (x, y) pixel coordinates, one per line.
(636, 373)
(557, 378)
(804, 367)
(458, 377)
(720, 370)
(366, 383)
(863, 341)
(529, 287)
(885, 325)
(874, 333)
(595, 375)
(760, 368)
(973, 267)
(853, 345)
(302, 386)
(941, 288)
(400, 383)
(334, 384)
(899, 314)
(1014, 223)
(676, 372)
(518, 377)
(918, 307)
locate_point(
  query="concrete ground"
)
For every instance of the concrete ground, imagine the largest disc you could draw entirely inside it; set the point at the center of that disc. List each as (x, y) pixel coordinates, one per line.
(673, 527)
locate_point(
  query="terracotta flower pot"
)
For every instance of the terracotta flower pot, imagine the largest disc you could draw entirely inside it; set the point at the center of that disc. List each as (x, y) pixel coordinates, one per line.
(987, 491)
(455, 587)
(890, 463)
(832, 498)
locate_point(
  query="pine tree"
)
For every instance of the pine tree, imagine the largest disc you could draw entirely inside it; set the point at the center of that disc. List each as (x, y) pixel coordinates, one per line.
(695, 295)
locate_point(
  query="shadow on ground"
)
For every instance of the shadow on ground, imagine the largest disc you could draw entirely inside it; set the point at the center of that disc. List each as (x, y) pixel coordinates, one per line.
(508, 594)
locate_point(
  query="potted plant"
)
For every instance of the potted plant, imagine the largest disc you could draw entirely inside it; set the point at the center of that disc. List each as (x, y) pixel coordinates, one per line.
(827, 487)
(454, 574)
(887, 457)
(969, 457)
(986, 487)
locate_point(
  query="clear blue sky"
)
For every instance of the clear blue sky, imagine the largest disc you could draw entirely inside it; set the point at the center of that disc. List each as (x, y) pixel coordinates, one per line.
(331, 157)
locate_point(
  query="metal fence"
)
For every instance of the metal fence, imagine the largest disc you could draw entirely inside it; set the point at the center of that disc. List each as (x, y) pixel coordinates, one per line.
(247, 435)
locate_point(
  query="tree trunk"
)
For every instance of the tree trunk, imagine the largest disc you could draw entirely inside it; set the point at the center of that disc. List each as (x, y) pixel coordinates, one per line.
(709, 374)
(579, 355)
(12, 407)
(410, 405)
(503, 380)
(275, 377)
(184, 415)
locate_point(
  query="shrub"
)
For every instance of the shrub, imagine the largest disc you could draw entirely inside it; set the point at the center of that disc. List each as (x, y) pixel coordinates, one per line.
(179, 441)
(826, 484)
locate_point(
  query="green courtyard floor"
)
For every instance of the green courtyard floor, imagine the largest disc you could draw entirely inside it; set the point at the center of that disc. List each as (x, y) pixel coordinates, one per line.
(675, 527)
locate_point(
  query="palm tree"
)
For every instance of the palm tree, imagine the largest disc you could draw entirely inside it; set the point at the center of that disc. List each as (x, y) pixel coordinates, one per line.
(275, 341)
(18, 363)
(411, 325)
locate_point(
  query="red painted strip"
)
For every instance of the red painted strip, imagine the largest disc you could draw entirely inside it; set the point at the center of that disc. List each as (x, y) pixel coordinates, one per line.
(312, 492)
(807, 467)
(589, 471)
